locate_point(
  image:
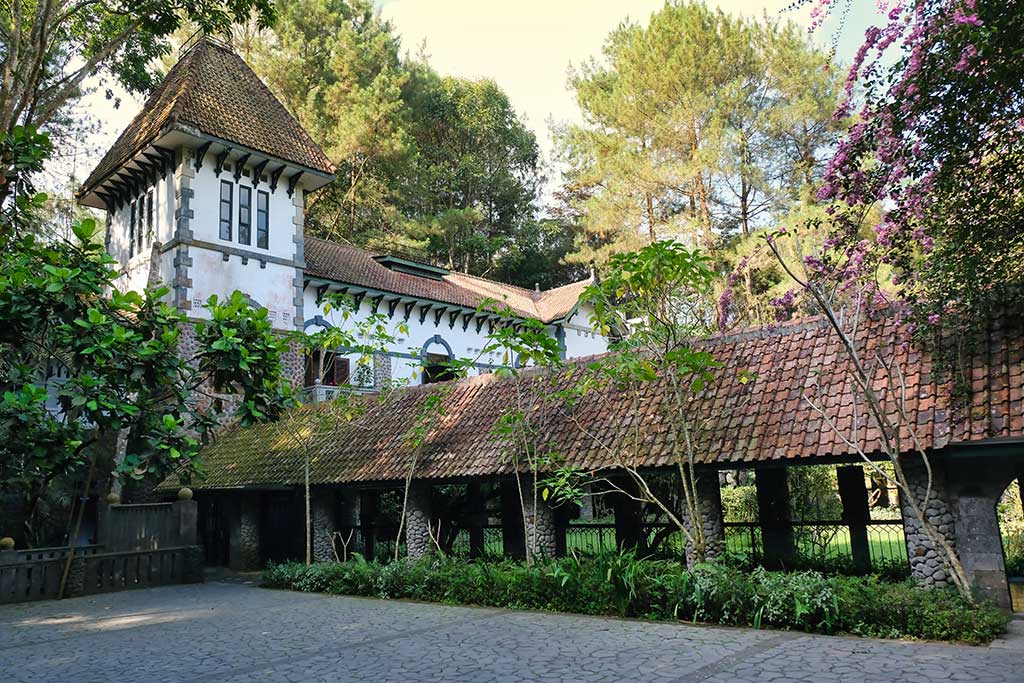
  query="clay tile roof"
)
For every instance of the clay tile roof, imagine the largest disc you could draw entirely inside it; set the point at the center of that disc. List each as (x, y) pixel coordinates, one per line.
(212, 90)
(353, 266)
(736, 423)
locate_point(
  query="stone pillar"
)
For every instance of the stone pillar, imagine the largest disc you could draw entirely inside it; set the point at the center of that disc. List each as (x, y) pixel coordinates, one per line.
(709, 498)
(188, 521)
(540, 525)
(854, 496)
(513, 536)
(381, 370)
(774, 515)
(926, 564)
(980, 545)
(322, 511)
(244, 534)
(417, 520)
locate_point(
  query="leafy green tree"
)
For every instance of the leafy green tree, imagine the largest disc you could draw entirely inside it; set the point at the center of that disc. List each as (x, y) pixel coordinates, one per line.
(439, 167)
(82, 363)
(473, 155)
(535, 255)
(366, 338)
(49, 49)
(335, 65)
(697, 125)
(654, 302)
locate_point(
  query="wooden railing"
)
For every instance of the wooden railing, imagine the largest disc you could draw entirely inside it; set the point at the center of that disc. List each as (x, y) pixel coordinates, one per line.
(38, 577)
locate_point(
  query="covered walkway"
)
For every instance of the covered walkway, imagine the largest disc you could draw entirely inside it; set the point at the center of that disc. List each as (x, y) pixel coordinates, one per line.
(757, 415)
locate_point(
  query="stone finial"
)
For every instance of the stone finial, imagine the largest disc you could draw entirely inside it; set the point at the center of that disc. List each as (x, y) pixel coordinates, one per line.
(185, 493)
(6, 543)
(113, 498)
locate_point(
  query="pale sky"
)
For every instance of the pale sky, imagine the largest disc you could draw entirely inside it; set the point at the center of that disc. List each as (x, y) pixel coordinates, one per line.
(526, 46)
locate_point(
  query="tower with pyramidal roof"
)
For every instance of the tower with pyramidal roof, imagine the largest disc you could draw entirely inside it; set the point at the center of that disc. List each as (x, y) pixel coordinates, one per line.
(204, 189)
(204, 192)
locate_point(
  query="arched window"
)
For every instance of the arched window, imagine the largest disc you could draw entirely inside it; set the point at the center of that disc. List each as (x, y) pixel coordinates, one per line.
(436, 356)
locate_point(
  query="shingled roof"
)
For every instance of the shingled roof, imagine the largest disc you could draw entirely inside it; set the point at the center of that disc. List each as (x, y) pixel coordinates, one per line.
(212, 90)
(737, 423)
(353, 266)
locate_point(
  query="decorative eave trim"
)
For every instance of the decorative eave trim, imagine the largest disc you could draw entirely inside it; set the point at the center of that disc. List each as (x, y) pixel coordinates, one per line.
(196, 133)
(405, 298)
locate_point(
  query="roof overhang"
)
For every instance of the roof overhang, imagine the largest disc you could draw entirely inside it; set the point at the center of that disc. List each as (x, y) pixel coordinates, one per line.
(312, 179)
(151, 162)
(155, 158)
(371, 292)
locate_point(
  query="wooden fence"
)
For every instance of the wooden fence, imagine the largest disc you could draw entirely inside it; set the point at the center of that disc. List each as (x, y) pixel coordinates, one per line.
(147, 526)
(27, 575)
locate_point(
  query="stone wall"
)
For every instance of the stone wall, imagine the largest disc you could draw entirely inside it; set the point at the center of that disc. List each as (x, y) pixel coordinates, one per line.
(381, 370)
(926, 564)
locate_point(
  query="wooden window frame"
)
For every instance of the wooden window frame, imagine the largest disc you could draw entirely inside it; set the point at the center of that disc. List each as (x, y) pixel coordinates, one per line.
(327, 368)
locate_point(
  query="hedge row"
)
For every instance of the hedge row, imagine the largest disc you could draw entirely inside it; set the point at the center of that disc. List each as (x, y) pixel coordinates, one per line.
(619, 584)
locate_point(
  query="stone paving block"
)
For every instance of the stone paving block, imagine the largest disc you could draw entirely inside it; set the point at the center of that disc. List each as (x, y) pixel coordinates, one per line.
(224, 631)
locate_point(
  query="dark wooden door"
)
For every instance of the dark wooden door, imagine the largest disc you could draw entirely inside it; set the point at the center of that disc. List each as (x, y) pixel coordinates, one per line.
(213, 530)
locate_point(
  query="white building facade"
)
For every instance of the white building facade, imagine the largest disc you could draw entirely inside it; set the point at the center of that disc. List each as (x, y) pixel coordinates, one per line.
(205, 192)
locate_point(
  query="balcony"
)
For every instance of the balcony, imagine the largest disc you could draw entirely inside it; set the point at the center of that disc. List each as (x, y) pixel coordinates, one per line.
(319, 393)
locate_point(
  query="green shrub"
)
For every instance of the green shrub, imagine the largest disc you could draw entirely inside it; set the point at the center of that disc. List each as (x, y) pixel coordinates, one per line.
(887, 569)
(620, 584)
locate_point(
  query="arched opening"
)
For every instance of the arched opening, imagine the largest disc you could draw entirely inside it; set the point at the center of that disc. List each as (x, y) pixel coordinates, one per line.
(1010, 510)
(436, 355)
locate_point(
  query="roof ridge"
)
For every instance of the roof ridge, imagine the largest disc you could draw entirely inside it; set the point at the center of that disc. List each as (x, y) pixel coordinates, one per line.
(499, 282)
(546, 292)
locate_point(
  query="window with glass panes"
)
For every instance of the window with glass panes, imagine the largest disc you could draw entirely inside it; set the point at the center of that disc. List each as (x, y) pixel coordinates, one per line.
(262, 220)
(244, 214)
(226, 192)
(131, 232)
(149, 217)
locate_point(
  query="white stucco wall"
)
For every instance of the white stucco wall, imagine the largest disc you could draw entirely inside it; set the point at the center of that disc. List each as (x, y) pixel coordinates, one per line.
(270, 286)
(206, 210)
(267, 276)
(268, 281)
(135, 269)
(580, 338)
(464, 344)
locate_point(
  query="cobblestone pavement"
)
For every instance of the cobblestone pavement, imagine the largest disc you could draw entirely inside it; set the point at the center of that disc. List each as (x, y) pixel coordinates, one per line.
(228, 631)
